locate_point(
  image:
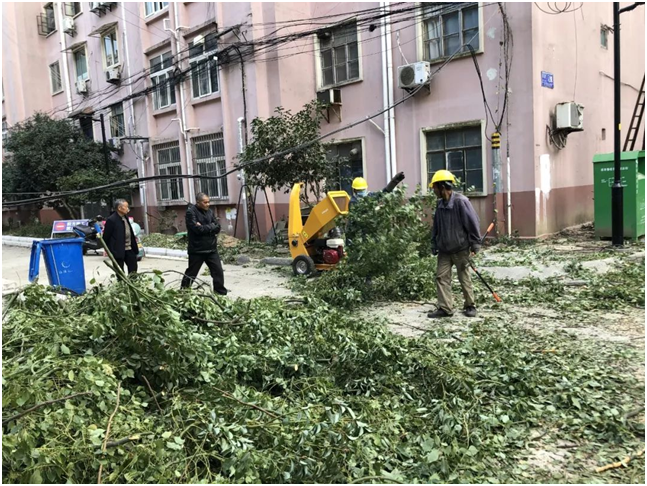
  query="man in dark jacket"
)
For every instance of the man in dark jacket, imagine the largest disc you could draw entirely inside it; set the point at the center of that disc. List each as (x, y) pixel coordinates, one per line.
(455, 236)
(120, 237)
(203, 228)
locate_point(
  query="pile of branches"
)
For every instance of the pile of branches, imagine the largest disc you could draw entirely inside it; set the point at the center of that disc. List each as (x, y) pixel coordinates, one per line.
(388, 253)
(136, 383)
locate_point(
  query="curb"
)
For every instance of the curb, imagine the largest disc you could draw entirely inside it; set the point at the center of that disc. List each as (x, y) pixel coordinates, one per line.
(26, 242)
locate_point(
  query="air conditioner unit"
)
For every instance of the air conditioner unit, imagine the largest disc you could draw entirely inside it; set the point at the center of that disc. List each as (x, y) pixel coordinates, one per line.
(330, 96)
(69, 26)
(81, 86)
(113, 75)
(569, 116)
(414, 75)
(115, 143)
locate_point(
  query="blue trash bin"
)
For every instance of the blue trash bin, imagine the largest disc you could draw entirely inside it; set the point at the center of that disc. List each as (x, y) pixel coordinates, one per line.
(63, 261)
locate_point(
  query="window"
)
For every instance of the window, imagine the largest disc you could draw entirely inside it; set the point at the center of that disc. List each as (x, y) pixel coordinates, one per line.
(348, 157)
(110, 49)
(153, 7)
(448, 28)
(5, 131)
(117, 124)
(210, 158)
(459, 151)
(50, 18)
(161, 77)
(604, 36)
(81, 64)
(168, 163)
(46, 20)
(72, 9)
(55, 77)
(204, 68)
(339, 55)
(87, 127)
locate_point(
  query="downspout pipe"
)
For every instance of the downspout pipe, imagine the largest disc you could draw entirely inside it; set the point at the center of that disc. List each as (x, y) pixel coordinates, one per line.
(132, 130)
(66, 71)
(391, 94)
(385, 98)
(185, 130)
(241, 147)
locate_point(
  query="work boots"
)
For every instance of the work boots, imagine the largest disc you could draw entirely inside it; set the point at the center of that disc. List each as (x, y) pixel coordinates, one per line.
(469, 311)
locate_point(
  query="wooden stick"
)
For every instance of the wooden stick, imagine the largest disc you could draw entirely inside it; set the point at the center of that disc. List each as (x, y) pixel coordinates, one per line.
(39, 405)
(633, 413)
(125, 440)
(105, 440)
(152, 393)
(622, 463)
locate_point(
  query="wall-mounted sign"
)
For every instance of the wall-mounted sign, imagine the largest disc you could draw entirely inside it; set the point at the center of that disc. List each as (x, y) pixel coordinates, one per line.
(547, 80)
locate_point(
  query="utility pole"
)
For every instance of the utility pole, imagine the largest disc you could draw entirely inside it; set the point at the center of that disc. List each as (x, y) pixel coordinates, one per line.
(617, 209)
(105, 144)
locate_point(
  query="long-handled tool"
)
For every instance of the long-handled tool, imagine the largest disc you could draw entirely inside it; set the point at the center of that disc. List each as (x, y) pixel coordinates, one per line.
(494, 294)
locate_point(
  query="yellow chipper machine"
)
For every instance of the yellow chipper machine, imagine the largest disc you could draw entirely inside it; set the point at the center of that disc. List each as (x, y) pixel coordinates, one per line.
(311, 247)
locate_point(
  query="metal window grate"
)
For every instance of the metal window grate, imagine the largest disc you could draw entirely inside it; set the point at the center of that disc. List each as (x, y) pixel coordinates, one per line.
(169, 163)
(209, 155)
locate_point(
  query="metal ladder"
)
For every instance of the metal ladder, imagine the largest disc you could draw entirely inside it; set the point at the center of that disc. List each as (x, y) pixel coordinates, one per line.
(636, 121)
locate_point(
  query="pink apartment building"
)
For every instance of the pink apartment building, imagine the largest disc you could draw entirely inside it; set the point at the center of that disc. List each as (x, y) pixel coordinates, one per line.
(176, 82)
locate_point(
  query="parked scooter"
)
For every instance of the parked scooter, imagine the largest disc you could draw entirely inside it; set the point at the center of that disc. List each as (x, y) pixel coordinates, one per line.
(90, 232)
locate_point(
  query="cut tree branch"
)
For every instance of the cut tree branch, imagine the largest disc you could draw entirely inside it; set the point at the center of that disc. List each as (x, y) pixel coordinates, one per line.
(40, 405)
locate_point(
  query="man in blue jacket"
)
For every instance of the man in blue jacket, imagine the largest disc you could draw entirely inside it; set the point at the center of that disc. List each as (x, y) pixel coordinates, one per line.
(203, 228)
(455, 236)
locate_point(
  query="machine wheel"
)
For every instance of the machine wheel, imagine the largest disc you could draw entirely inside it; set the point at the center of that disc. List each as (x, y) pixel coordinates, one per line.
(303, 265)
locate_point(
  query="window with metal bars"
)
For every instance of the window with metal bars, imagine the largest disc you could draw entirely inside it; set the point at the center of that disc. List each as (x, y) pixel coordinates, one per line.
(168, 163)
(349, 160)
(339, 55)
(117, 123)
(459, 151)
(161, 74)
(448, 28)
(204, 67)
(209, 155)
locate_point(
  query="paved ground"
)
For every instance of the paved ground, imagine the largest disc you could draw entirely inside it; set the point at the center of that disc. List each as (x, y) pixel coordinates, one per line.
(244, 281)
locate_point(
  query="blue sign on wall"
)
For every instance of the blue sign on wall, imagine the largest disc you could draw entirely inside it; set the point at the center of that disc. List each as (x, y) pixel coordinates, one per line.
(66, 226)
(547, 80)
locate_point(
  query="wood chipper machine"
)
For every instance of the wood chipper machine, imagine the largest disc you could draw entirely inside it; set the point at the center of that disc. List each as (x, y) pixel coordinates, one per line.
(310, 247)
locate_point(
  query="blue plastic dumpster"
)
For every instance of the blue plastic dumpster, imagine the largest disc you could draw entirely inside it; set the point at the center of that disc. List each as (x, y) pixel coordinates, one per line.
(63, 261)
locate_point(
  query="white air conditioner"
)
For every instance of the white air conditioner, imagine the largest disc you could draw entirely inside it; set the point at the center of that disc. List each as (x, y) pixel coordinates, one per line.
(330, 96)
(69, 26)
(115, 143)
(414, 75)
(81, 86)
(569, 116)
(113, 75)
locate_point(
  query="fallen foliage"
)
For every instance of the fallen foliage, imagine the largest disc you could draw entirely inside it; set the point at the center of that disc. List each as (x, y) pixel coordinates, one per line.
(197, 388)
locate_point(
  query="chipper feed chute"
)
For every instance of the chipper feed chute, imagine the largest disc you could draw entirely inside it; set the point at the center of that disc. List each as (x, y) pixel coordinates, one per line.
(309, 246)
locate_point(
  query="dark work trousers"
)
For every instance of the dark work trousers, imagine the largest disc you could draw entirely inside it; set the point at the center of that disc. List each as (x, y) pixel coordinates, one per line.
(215, 267)
(130, 259)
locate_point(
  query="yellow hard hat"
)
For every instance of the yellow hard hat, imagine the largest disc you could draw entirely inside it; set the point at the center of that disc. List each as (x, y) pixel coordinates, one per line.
(360, 184)
(442, 176)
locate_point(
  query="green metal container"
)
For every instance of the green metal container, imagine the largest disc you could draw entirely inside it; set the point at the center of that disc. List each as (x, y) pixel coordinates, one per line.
(632, 171)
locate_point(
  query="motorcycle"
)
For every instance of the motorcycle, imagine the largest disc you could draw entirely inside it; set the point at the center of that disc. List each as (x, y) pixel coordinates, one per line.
(89, 232)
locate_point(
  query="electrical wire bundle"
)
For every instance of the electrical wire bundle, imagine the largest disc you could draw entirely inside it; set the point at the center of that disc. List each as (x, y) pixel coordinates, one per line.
(554, 9)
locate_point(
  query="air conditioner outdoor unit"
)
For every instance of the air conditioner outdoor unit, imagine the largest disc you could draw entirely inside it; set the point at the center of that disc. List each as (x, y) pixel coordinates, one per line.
(330, 96)
(115, 143)
(81, 86)
(113, 75)
(414, 75)
(68, 25)
(569, 116)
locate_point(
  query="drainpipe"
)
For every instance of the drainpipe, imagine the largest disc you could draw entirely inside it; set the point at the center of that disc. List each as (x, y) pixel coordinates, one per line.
(509, 208)
(241, 146)
(385, 99)
(66, 71)
(496, 176)
(132, 130)
(184, 129)
(391, 94)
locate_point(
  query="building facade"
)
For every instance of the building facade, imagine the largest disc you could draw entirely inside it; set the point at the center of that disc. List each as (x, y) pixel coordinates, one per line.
(178, 83)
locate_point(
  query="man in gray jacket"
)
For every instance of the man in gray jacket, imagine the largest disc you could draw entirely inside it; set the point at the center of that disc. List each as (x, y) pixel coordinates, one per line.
(455, 236)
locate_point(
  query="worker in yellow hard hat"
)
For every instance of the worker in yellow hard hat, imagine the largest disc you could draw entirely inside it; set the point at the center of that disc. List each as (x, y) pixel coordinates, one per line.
(360, 187)
(455, 237)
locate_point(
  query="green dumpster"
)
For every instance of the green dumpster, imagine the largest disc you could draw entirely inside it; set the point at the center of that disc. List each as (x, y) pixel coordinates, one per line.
(632, 171)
